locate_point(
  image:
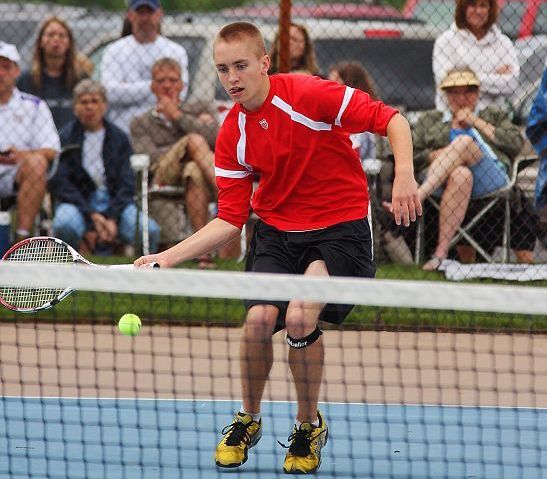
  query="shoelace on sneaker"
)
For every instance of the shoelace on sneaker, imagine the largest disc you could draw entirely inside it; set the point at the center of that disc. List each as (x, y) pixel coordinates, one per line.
(300, 442)
(237, 432)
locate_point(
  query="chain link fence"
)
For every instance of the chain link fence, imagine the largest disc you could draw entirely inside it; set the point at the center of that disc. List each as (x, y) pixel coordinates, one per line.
(66, 172)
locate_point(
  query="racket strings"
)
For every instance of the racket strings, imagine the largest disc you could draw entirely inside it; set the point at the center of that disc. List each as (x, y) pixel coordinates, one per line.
(29, 298)
(42, 251)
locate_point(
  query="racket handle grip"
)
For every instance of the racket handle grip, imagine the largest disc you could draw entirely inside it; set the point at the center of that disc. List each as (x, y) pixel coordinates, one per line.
(130, 266)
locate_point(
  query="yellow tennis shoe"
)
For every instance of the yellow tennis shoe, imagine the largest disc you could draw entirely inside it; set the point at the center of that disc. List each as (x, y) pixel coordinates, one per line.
(238, 438)
(304, 455)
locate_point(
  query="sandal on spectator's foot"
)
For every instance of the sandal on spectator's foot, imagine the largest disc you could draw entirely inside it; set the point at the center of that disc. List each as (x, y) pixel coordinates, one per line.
(433, 263)
(206, 262)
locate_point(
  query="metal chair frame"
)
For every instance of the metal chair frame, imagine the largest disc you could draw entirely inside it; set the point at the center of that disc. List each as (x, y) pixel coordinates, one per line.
(504, 194)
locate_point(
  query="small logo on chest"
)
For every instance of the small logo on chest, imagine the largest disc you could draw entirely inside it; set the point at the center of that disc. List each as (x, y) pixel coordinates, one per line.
(263, 123)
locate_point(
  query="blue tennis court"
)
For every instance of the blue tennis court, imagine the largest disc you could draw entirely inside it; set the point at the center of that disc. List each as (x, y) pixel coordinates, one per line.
(125, 438)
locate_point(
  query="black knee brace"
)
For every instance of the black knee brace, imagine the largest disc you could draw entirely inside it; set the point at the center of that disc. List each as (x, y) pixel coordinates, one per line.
(304, 342)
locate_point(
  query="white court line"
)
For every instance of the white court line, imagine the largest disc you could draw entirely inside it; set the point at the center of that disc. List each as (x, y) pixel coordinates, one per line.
(334, 403)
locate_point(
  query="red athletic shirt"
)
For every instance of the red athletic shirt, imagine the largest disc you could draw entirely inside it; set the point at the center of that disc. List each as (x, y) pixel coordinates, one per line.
(298, 144)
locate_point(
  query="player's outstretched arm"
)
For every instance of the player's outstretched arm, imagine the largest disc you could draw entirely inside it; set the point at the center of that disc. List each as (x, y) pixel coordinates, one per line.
(209, 238)
(405, 203)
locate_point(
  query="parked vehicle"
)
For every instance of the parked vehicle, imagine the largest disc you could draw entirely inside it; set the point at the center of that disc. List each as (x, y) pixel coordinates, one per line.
(518, 18)
(400, 62)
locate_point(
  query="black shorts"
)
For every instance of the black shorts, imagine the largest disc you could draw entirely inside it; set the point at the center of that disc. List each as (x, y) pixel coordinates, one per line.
(346, 249)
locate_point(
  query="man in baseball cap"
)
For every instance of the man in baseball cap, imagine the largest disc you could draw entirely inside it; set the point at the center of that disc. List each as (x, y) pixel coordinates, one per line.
(28, 142)
(127, 63)
(153, 4)
(9, 51)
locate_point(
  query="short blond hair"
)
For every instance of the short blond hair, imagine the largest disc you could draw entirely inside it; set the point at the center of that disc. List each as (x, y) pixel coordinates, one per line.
(239, 31)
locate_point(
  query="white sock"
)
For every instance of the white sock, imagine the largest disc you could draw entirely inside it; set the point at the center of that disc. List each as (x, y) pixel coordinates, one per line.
(22, 233)
(314, 423)
(256, 417)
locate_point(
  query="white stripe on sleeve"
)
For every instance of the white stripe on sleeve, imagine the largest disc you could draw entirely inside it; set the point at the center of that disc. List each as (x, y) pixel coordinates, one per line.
(347, 97)
(221, 172)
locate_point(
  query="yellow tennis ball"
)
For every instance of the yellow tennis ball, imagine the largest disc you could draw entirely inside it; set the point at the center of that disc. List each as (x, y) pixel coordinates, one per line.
(130, 324)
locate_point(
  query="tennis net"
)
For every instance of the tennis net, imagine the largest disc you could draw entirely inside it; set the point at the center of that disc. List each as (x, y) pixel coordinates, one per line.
(423, 380)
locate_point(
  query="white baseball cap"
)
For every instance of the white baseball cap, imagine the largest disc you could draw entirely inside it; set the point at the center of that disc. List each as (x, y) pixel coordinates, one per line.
(9, 51)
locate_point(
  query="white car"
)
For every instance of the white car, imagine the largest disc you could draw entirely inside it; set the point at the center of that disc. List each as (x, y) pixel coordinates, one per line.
(397, 54)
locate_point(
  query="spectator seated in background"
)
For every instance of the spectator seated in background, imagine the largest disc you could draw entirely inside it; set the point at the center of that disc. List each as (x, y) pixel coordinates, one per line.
(467, 152)
(179, 138)
(126, 64)
(537, 133)
(301, 51)
(55, 70)
(28, 143)
(475, 42)
(95, 185)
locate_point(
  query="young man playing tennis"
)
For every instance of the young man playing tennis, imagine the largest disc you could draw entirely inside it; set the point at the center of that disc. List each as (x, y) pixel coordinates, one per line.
(292, 131)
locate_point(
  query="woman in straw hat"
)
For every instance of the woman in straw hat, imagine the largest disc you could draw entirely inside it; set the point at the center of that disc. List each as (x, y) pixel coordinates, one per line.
(463, 155)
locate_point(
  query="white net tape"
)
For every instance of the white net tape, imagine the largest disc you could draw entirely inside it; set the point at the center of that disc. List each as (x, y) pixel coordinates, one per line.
(217, 284)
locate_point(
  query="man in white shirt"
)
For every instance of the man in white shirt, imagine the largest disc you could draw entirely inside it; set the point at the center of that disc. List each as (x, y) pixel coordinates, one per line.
(127, 63)
(28, 143)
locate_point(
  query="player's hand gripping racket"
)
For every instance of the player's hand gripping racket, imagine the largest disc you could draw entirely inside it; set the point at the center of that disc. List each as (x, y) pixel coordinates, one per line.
(43, 249)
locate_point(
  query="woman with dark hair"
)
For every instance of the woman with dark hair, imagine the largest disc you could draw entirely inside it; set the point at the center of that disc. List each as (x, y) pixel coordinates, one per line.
(475, 42)
(355, 75)
(302, 52)
(56, 68)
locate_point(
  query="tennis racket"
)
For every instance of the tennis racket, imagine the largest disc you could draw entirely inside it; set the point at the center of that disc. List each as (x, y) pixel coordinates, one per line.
(43, 249)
